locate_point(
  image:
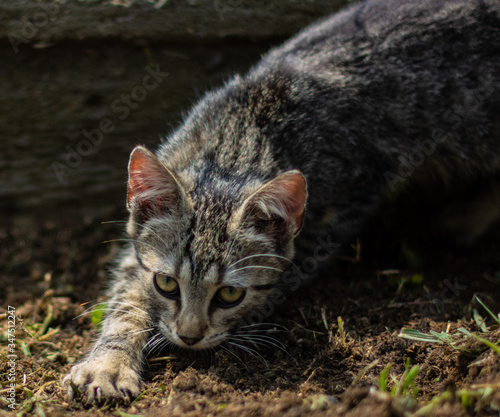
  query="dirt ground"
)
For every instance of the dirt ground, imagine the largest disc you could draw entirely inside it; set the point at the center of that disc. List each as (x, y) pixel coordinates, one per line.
(332, 348)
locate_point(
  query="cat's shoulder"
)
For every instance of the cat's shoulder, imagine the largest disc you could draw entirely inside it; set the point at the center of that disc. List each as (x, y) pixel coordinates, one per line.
(378, 18)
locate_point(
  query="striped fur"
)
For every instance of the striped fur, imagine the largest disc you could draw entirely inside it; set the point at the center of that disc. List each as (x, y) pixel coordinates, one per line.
(384, 93)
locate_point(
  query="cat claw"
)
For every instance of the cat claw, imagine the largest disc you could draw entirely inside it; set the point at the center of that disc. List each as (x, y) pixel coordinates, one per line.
(127, 395)
(98, 394)
(71, 390)
(100, 381)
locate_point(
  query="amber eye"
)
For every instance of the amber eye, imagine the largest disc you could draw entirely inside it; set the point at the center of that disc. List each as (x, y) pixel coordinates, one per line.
(166, 285)
(230, 296)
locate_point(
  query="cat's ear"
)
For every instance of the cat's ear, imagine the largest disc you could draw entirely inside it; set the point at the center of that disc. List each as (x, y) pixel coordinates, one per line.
(278, 207)
(152, 189)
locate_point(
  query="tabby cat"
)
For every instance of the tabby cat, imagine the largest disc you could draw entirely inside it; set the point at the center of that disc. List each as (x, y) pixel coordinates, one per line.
(382, 94)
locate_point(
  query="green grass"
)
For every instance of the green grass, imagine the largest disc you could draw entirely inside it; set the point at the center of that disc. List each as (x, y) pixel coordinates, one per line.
(463, 341)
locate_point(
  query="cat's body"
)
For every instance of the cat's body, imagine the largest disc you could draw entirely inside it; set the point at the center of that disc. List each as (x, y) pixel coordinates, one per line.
(379, 95)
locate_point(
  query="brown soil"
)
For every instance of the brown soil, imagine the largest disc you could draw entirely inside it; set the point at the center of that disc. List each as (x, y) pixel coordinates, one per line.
(52, 273)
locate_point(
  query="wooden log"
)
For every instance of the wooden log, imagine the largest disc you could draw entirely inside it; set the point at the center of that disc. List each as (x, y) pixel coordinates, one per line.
(44, 21)
(70, 116)
(74, 99)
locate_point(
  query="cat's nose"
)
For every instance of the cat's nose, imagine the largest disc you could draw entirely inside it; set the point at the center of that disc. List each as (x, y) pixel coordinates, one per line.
(190, 341)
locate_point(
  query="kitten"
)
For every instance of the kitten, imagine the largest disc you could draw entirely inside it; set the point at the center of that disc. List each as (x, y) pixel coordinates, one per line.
(382, 94)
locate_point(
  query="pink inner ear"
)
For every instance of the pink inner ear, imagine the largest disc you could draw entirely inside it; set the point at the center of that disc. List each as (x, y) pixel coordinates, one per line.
(150, 185)
(296, 194)
(140, 173)
(285, 197)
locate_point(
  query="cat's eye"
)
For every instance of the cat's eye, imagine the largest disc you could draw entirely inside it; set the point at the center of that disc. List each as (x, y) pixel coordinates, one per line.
(230, 296)
(166, 285)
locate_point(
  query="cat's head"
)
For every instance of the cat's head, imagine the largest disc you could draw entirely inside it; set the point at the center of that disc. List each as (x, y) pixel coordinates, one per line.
(206, 258)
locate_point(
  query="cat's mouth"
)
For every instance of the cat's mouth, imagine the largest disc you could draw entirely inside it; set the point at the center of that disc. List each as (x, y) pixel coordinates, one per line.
(202, 342)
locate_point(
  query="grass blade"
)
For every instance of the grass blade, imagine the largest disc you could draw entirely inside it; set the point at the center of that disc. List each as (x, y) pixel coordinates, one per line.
(489, 311)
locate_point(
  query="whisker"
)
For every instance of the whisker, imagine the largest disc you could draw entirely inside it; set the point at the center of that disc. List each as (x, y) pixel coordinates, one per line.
(132, 240)
(236, 236)
(159, 338)
(113, 309)
(150, 229)
(163, 345)
(236, 356)
(262, 331)
(157, 347)
(151, 340)
(146, 315)
(259, 340)
(262, 338)
(88, 310)
(156, 343)
(125, 311)
(136, 332)
(111, 302)
(230, 247)
(257, 266)
(250, 351)
(143, 226)
(259, 256)
(254, 325)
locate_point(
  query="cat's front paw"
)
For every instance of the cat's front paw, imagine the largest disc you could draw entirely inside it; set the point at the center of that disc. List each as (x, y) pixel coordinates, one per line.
(99, 379)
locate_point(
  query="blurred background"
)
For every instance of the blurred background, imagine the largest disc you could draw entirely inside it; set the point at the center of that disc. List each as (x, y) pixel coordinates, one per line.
(77, 95)
(81, 83)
